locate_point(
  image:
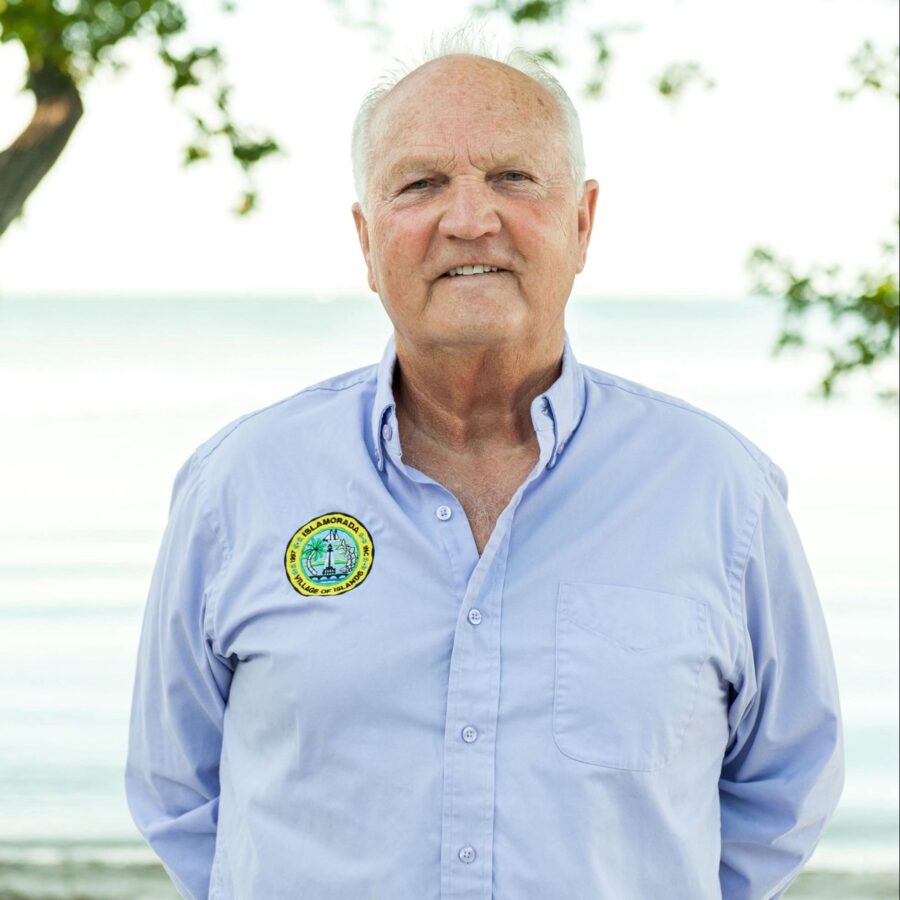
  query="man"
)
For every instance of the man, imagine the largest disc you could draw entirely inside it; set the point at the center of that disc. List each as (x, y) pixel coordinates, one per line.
(481, 621)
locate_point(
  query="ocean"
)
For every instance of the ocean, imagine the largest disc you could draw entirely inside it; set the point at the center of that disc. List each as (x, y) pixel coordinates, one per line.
(102, 399)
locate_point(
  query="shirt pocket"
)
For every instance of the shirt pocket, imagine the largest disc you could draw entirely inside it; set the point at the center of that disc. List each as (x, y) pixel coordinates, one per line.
(627, 675)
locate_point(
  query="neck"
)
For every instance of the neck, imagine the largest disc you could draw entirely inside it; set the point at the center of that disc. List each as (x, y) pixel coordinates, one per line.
(472, 398)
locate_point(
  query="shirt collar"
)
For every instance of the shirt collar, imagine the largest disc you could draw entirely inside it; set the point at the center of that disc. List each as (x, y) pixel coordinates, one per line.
(558, 409)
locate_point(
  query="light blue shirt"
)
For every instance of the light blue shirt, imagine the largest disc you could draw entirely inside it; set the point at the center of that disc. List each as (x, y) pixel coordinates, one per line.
(630, 694)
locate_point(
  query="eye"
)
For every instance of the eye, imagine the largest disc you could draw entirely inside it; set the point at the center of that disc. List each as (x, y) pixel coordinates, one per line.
(515, 176)
(417, 185)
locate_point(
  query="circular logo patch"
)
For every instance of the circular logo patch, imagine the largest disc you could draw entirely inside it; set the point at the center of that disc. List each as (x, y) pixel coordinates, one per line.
(331, 554)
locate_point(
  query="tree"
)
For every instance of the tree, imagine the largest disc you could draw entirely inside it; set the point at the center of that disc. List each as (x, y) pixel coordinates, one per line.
(314, 551)
(67, 41)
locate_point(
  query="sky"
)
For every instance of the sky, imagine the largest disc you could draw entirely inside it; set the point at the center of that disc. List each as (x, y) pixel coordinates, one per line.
(770, 156)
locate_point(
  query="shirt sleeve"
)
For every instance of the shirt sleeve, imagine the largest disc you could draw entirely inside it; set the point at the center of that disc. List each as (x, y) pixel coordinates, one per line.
(783, 770)
(180, 691)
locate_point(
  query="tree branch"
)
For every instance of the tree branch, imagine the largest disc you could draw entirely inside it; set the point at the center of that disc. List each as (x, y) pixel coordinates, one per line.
(31, 155)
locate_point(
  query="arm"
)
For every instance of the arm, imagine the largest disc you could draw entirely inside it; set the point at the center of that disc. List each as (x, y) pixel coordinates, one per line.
(180, 691)
(783, 769)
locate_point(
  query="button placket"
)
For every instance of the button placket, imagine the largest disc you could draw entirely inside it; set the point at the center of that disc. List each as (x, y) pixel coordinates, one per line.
(473, 696)
(469, 753)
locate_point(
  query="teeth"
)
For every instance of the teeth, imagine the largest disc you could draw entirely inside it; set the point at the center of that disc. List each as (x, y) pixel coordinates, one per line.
(472, 270)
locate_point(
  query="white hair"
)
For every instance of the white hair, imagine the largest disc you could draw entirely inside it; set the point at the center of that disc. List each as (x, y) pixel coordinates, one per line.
(469, 40)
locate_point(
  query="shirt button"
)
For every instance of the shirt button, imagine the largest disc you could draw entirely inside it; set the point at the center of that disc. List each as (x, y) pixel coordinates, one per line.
(469, 734)
(386, 431)
(467, 854)
(443, 513)
(474, 616)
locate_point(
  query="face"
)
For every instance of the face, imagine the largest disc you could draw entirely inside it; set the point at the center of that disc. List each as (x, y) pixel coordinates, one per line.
(471, 167)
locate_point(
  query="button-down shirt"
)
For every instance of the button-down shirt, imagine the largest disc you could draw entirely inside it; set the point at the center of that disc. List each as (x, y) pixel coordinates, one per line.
(629, 694)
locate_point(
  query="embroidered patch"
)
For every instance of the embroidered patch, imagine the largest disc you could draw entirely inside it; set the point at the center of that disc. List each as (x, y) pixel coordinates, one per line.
(330, 554)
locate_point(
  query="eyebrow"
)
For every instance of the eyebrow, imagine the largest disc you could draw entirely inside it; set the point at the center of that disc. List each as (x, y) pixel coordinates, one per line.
(429, 162)
(417, 163)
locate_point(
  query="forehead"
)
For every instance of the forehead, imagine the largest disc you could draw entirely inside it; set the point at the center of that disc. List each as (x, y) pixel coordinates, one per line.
(465, 106)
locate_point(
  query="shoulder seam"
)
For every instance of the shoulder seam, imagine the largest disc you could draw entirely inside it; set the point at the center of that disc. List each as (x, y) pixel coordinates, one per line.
(247, 416)
(761, 462)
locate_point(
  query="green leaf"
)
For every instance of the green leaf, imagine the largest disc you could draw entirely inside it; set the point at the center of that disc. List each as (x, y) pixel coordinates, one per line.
(677, 76)
(252, 152)
(194, 153)
(246, 204)
(870, 314)
(789, 339)
(548, 54)
(537, 11)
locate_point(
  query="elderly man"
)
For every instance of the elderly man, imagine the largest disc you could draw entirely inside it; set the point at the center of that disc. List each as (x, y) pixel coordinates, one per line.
(480, 621)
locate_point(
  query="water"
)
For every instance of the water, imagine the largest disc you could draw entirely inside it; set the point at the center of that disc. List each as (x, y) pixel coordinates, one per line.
(101, 400)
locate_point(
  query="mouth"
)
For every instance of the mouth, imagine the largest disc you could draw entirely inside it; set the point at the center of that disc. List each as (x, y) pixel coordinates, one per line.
(469, 271)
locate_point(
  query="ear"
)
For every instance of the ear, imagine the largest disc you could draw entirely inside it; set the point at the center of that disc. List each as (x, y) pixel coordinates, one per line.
(586, 207)
(362, 231)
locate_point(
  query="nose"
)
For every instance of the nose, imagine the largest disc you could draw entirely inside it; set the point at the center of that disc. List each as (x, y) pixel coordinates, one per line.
(470, 212)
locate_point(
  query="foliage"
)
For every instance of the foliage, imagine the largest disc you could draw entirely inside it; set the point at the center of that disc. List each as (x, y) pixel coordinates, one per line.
(72, 39)
(868, 315)
(520, 11)
(677, 76)
(76, 38)
(876, 70)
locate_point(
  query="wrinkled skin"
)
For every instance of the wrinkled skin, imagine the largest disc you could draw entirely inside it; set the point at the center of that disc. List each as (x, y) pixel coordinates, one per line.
(470, 165)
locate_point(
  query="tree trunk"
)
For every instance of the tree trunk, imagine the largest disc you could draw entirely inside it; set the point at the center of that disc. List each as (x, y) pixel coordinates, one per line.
(32, 154)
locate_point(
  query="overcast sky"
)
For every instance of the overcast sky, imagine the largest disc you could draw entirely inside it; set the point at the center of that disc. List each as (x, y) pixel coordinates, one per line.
(769, 156)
